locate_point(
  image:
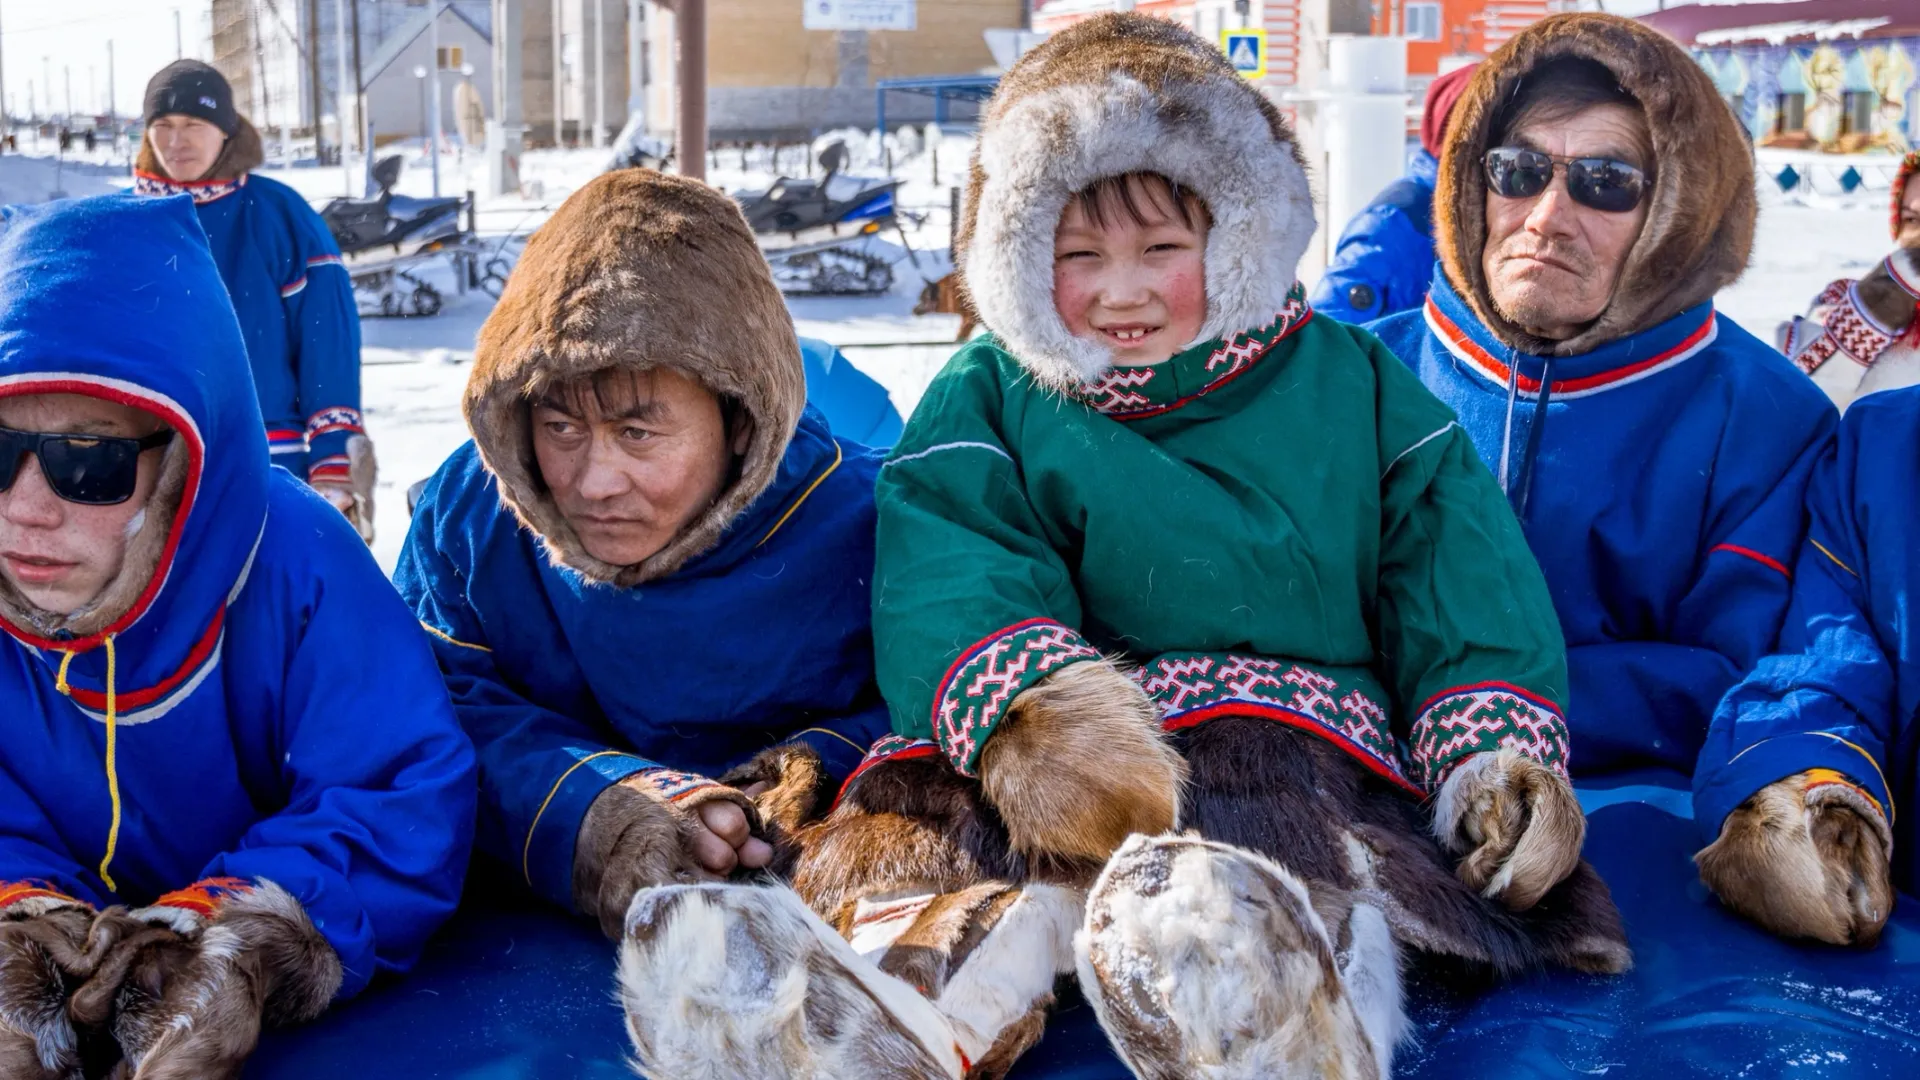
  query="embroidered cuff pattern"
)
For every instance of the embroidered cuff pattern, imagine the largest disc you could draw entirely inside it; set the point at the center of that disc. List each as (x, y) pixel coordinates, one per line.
(1480, 719)
(1192, 688)
(32, 896)
(972, 698)
(671, 784)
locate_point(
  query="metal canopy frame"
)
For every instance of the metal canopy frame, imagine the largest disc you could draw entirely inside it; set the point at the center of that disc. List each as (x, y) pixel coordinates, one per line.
(941, 88)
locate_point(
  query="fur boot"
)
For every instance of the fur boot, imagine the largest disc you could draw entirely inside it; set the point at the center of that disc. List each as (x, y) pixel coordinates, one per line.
(1272, 946)
(914, 890)
(1079, 764)
(1806, 857)
(1207, 960)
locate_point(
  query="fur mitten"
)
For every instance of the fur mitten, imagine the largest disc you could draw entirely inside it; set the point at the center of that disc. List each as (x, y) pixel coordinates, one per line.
(1516, 823)
(192, 979)
(797, 792)
(1079, 764)
(636, 835)
(43, 953)
(1806, 857)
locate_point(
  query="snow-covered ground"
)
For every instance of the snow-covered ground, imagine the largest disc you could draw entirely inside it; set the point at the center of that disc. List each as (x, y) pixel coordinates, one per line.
(415, 369)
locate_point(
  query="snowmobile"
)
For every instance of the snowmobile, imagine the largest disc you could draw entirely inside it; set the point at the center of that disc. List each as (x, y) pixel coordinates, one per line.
(810, 231)
(388, 237)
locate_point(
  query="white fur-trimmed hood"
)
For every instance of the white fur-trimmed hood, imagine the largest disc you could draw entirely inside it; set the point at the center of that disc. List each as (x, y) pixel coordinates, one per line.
(1112, 95)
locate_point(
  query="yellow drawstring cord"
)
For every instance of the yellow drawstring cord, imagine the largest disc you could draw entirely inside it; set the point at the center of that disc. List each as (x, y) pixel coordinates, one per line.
(113, 777)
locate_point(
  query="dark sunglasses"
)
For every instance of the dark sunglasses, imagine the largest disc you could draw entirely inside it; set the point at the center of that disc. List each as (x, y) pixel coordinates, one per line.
(1613, 187)
(98, 470)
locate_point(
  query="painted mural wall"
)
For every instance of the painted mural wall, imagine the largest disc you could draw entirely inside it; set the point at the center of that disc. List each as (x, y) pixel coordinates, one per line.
(1842, 82)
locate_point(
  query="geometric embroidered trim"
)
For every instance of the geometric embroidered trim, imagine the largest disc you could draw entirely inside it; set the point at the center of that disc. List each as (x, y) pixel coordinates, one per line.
(1192, 688)
(1480, 719)
(973, 696)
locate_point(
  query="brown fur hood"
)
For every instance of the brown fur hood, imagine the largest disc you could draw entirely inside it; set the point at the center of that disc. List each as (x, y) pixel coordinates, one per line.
(1699, 228)
(1112, 95)
(637, 270)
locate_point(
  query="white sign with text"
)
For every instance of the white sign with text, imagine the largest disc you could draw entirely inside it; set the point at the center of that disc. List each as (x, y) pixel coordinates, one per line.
(858, 14)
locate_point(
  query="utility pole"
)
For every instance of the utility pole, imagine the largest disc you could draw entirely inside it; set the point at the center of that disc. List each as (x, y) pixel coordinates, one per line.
(505, 130)
(636, 61)
(559, 83)
(113, 128)
(599, 71)
(313, 75)
(66, 76)
(433, 87)
(362, 122)
(691, 22)
(340, 92)
(179, 53)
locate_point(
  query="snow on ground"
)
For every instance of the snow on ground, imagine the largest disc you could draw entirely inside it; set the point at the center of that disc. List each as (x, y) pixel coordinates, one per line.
(414, 369)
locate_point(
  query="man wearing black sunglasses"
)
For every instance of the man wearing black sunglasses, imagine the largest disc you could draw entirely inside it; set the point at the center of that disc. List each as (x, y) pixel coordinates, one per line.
(1595, 193)
(232, 786)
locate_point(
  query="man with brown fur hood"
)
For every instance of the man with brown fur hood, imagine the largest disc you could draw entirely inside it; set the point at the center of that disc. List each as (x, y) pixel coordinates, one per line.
(1165, 550)
(647, 576)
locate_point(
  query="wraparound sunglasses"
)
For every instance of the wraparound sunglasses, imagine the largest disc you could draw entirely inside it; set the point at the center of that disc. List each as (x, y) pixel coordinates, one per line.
(1610, 186)
(97, 470)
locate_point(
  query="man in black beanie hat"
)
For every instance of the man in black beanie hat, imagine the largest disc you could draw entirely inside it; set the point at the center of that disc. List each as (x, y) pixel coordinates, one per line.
(283, 269)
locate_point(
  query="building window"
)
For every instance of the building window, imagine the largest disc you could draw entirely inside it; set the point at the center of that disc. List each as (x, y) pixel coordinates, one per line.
(451, 57)
(1423, 22)
(1791, 114)
(1856, 114)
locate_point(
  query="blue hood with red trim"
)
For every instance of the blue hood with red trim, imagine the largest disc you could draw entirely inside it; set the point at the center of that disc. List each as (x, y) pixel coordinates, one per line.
(1659, 481)
(118, 298)
(260, 705)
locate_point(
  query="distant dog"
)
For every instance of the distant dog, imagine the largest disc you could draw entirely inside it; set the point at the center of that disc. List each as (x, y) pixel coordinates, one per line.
(946, 297)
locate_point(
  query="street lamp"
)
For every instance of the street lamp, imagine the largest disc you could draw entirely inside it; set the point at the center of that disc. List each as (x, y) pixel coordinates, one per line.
(420, 75)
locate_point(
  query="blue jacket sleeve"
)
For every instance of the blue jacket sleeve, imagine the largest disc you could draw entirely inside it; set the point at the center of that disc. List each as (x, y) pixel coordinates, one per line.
(1384, 261)
(1635, 699)
(1827, 698)
(539, 769)
(26, 862)
(323, 324)
(377, 827)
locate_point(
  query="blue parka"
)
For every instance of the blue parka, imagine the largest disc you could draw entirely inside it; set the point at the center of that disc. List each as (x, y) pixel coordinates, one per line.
(1385, 257)
(1843, 690)
(569, 685)
(1661, 494)
(267, 708)
(297, 313)
(854, 405)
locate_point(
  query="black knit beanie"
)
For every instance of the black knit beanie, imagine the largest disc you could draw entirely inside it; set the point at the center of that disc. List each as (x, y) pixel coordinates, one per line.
(191, 88)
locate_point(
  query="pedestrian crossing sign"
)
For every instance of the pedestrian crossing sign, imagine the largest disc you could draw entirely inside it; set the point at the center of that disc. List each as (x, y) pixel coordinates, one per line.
(1246, 50)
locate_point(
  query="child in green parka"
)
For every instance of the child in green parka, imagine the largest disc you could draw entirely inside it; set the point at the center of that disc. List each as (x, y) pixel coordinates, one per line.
(1166, 551)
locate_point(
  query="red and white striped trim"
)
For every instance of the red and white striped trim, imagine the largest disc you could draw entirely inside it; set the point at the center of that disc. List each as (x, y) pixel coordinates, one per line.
(300, 282)
(1495, 370)
(173, 415)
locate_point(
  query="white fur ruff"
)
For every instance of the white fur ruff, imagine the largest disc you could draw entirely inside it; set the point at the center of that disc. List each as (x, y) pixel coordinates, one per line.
(1210, 138)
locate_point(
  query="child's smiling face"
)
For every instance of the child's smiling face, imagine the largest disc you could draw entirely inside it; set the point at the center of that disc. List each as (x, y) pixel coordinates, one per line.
(1129, 269)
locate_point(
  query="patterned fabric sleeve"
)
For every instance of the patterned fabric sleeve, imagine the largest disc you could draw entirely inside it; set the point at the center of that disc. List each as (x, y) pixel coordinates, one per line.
(1470, 646)
(972, 604)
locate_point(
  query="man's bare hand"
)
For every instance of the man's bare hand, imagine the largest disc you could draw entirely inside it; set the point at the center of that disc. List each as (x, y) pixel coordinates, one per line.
(722, 840)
